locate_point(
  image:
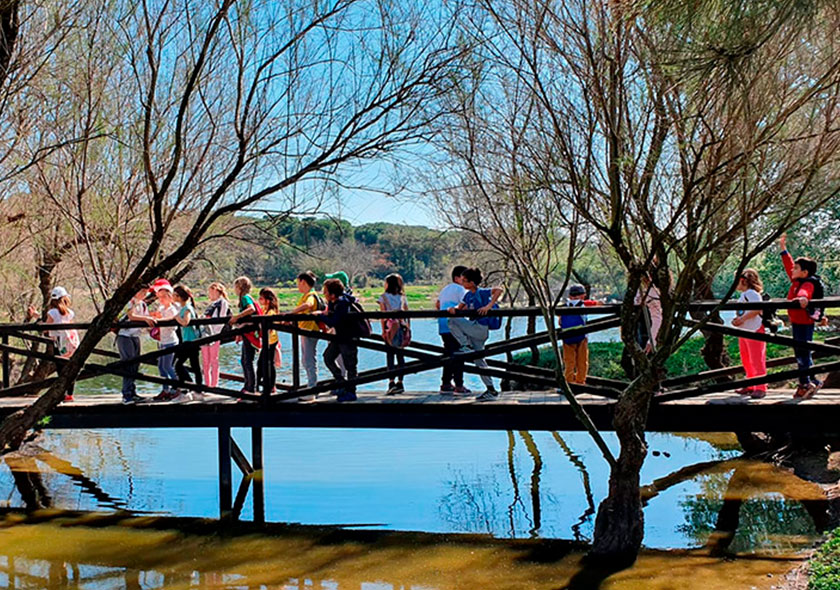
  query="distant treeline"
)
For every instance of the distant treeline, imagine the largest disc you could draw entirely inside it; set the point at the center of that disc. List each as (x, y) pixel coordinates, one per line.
(275, 252)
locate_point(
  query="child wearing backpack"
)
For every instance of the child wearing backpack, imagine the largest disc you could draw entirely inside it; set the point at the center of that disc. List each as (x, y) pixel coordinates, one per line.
(266, 363)
(339, 315)
(576, 348)
(472, 334)
(188, 352)
(251, 340)
(219, 308)
(804, 286)
(395, 332)
(308, 303)
(753, 352)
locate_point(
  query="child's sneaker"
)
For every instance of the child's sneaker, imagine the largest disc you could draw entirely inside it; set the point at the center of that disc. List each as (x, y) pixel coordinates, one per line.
(447, 389)
(347, 396)
(462, 390)
(757, 393)
(399, 387)
(393, 388)
(810, 390)
(488, 395)
(800, 392)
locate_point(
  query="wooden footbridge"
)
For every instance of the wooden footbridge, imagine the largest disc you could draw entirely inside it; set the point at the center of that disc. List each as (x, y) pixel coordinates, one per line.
(701, 402)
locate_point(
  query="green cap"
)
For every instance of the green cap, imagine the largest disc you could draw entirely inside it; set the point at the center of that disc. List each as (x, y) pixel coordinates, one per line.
(340, 275)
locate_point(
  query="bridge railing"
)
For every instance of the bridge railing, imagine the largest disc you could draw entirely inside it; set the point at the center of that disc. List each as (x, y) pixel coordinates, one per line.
(426, 356)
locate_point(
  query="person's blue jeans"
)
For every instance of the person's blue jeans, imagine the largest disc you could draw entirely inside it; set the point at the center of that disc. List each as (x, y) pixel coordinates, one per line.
(166, 366)
(129, 348)
(803, 333)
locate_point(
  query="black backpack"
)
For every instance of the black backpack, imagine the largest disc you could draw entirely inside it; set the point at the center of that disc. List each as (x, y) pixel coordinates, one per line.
(363, 329)
(769, 319)
(320, 304)
(815, 312)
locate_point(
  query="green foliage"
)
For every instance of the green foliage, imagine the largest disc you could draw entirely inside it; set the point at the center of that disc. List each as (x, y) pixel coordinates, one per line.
(605, 357)
(824, 568)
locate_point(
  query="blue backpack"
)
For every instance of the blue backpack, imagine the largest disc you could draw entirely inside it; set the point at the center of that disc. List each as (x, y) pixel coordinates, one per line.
(493, 322)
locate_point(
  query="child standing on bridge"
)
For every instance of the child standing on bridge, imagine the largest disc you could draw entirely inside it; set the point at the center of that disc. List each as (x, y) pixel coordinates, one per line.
(802, 273)
(251, 340)
(753, 352)
(339, 315)
(267, 362)
(450, 296)
(472, 334)
(65, 341)
(128, 343)
(189, 351)
(219, 308)
(166, 310)
(395, 332)
(576, 348)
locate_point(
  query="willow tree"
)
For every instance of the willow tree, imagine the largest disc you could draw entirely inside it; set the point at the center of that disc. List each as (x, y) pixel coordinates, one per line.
(680, 137)
(223, 105)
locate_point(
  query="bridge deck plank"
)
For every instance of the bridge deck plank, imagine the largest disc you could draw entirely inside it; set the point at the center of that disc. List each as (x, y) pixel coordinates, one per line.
(527, 410)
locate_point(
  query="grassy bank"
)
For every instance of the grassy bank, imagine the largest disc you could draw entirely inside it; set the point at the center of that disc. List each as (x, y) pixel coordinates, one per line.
(605, 357)
(824, 567)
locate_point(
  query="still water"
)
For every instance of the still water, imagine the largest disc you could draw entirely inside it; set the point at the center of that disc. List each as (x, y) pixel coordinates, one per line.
(410, 497)
(383, 509)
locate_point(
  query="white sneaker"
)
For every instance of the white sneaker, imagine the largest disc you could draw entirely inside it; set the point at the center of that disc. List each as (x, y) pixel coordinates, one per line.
(307, 398)
(197, 396)
(182, 398)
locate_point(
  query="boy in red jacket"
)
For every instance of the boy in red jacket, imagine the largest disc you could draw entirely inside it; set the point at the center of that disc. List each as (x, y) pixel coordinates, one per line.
(800, 272)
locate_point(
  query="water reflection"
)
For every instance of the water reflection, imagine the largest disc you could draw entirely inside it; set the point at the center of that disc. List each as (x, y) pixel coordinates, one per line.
(74, 550)
(504, 484)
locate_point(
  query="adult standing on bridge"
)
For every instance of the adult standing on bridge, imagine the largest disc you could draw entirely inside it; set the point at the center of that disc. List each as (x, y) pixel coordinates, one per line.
(753, 352)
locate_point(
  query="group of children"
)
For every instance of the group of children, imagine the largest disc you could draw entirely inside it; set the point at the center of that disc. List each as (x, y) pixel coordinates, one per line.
(336, 312)
(805, 286)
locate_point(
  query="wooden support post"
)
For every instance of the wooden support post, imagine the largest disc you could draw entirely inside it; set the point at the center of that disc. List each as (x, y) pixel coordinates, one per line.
(7, 366)
(295, 357)
(257, 461)
(225, 476)
(265, 331)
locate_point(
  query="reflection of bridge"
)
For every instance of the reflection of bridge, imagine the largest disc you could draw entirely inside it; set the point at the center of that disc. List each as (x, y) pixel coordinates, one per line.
(688, 402)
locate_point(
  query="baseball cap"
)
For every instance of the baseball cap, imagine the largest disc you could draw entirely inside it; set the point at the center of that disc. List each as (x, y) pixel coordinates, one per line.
(58, 293)
(340, 275)
(161, 284)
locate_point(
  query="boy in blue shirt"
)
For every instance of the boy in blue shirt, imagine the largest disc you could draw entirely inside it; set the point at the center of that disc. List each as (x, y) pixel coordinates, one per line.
(576, 348)
(472, 334)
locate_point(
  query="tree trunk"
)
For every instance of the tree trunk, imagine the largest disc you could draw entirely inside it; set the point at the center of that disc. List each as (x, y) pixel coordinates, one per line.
(714, 349)
(619, 526)
(14, 427)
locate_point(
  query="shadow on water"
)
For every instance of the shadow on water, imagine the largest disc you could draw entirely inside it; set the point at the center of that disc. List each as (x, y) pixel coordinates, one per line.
(57, 548)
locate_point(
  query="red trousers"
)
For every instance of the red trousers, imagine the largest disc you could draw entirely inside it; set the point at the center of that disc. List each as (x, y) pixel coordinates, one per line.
(754, 359)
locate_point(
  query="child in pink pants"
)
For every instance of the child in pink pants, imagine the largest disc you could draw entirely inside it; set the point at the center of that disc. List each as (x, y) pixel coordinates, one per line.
(753, 352)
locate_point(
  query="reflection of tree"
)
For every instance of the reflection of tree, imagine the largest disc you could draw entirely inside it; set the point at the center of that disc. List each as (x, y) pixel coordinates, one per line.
(535, 480)
(757, 505)
(587, 488)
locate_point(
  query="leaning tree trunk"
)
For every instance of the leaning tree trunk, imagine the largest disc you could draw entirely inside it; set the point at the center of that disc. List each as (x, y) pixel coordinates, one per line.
(14, 427)
(619, 526)
(714, 348)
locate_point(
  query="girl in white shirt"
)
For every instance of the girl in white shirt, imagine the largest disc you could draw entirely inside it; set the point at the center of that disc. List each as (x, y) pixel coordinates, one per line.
(753, 352)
